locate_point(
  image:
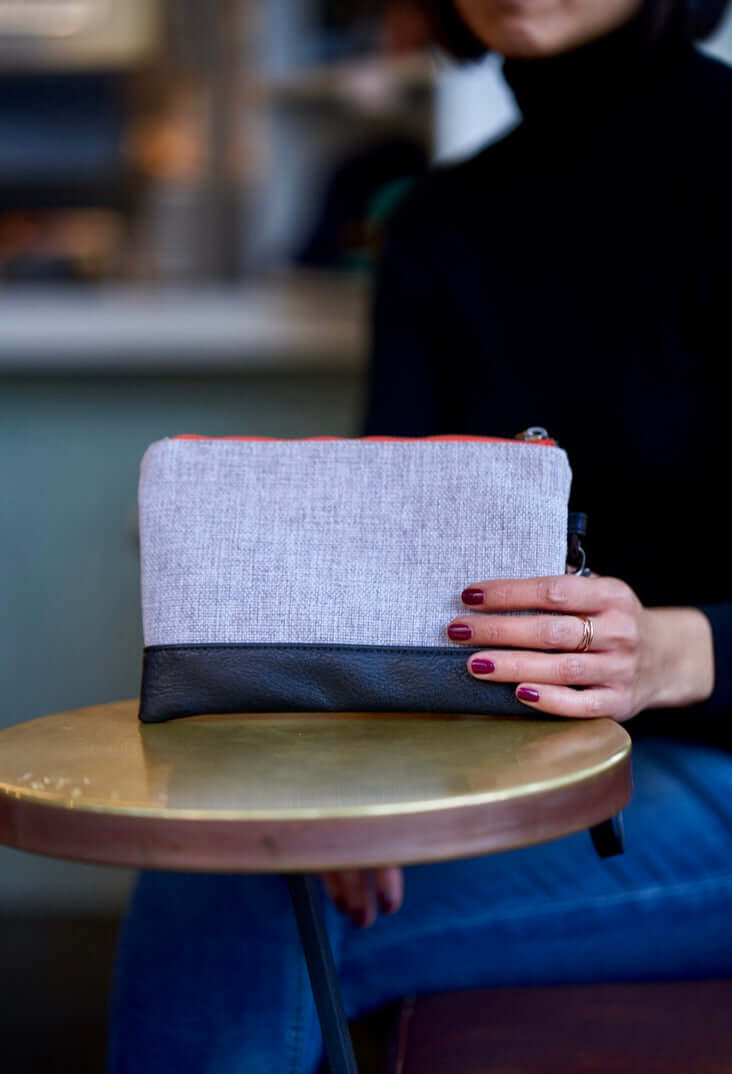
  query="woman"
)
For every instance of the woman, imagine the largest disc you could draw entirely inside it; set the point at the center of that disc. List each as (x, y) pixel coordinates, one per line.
(574, 275)
(577, 275)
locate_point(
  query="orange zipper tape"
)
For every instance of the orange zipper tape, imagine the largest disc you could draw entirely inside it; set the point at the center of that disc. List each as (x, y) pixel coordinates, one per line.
(376, 439)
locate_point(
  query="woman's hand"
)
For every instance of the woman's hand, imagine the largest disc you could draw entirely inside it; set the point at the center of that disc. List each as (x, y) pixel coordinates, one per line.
(358, 892)
(639, 658)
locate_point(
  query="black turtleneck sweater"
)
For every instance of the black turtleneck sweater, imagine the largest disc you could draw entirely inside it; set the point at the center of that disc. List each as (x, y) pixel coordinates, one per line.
(576, 275)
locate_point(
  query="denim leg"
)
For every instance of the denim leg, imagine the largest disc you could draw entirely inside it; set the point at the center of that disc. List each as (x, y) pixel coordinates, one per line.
(210, 979)
(557, 913)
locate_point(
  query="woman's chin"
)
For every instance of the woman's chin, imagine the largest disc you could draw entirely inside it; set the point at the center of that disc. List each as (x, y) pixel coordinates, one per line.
(525, 42)
(525, 39)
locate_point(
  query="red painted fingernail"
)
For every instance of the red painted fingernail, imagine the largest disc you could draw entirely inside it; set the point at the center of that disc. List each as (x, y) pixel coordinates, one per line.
(386, 905)
(472, 595)
(358, 917)
(459, 632)
(482, 667)
(525, 694)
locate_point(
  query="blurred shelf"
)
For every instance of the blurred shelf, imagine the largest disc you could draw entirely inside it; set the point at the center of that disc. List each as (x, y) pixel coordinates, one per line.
(297, 322)
(66, 35)
(358, 81)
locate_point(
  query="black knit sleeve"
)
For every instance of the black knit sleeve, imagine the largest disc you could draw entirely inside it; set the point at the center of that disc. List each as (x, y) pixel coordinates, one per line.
(720, 616)
(714, 227)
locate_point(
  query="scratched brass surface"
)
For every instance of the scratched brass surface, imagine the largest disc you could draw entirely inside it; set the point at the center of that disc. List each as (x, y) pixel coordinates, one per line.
(287, 767)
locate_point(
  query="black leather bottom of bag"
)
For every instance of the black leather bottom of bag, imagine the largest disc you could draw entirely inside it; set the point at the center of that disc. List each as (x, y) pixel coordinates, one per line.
(189, 680)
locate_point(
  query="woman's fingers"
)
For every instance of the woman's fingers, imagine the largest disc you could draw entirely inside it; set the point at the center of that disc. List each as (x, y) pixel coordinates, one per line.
(561, 669)
(344, 891)
(563, 593)
(580, 704)
(388, 888)
(551, 632)
(357, 892)
(332, 885)
(358, 897)
(585, 659)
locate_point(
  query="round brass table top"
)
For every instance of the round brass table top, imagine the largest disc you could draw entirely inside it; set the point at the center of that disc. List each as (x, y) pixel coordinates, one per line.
(279, 792)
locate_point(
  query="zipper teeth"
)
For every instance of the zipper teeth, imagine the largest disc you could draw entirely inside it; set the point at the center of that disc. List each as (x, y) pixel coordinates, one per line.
(369, 439)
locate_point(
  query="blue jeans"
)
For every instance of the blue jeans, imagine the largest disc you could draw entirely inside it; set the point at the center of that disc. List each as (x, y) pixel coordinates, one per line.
(210, 977)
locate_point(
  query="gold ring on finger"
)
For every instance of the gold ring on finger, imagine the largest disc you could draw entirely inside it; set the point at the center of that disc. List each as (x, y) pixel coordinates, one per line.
(588, 632)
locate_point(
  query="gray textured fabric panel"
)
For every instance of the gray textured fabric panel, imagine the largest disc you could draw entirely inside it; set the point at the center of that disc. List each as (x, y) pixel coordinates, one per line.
(342, 542)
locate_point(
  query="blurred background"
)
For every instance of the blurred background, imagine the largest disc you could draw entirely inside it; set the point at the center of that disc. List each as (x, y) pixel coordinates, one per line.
(191, 197)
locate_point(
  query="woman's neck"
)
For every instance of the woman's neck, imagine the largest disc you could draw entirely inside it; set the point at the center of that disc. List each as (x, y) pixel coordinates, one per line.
(598, 79)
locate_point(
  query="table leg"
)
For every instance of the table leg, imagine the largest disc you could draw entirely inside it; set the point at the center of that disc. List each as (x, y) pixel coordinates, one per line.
(608, 838)
(305, 895)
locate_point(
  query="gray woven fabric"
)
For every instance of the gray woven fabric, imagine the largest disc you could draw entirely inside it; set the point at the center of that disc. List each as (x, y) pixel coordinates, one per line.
(342, 542)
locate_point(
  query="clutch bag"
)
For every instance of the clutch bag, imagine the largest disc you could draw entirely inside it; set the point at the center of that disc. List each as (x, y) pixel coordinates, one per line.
(320, 575)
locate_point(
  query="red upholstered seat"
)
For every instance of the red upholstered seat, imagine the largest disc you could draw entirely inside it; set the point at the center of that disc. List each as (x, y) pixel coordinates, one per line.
(648, 1028)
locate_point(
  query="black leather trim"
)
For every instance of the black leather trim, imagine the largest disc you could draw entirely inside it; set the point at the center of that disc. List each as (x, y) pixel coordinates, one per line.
(188, 680)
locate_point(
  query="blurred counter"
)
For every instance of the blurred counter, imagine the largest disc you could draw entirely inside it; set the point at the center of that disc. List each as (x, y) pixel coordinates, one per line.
(287, 323)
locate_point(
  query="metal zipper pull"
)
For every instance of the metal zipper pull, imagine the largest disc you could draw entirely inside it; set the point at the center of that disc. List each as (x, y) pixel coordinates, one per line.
(534, 432)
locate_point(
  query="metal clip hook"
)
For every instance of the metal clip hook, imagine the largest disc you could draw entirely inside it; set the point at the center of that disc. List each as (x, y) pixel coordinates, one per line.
(576, 558)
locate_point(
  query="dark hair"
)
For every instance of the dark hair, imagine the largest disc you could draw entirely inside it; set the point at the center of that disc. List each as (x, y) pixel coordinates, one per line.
(698, 18)
(702, 17)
